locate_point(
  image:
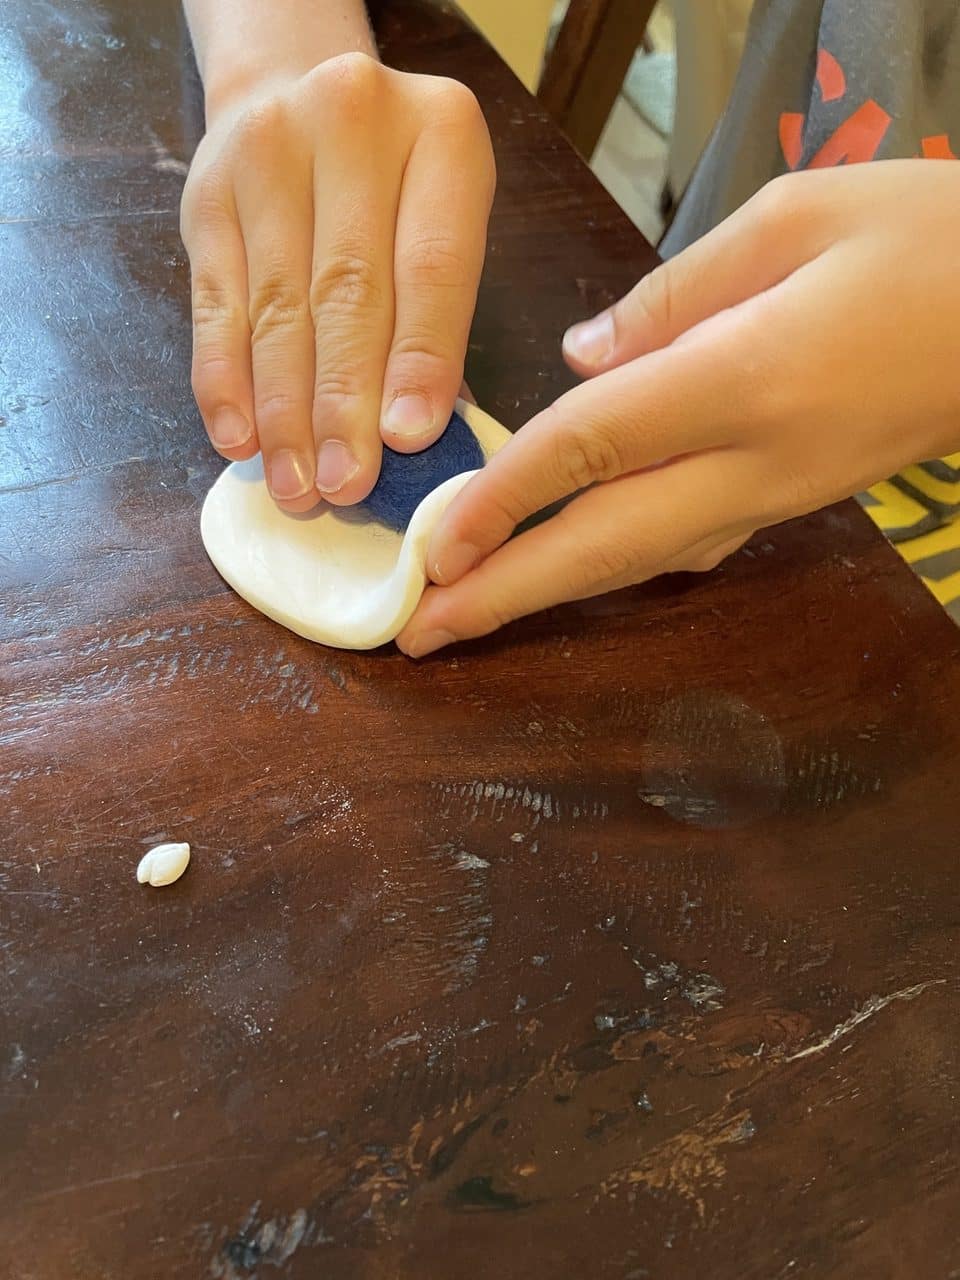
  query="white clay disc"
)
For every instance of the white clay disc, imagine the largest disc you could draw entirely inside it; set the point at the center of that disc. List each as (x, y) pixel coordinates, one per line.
(163, 864)
(333, 575)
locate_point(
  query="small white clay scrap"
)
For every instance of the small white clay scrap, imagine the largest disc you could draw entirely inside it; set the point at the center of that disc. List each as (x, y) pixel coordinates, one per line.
(163, 864)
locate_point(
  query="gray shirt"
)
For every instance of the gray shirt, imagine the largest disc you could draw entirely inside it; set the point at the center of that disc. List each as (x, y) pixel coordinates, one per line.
(826, 82)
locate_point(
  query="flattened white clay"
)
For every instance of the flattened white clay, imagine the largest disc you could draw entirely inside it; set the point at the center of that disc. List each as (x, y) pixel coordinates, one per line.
(333, 575)
(163, 864)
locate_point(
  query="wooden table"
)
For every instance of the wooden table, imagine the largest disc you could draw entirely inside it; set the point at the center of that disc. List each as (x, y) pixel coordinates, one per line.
(623, 944)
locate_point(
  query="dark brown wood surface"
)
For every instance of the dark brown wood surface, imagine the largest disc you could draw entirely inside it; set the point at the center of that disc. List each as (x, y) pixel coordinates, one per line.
(584, 71)
(623, 944)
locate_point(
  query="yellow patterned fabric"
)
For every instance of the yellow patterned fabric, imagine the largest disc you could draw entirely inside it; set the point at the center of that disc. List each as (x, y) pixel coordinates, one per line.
(919, 511)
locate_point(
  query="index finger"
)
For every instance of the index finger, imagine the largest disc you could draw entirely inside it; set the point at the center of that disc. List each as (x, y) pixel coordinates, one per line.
(671, 403)
(629, 531)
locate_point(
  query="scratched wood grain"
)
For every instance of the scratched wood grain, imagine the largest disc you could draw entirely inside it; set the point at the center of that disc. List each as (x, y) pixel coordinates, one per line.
(622, 945)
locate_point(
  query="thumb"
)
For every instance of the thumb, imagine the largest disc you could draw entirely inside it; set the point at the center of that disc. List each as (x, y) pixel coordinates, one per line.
(757, 247)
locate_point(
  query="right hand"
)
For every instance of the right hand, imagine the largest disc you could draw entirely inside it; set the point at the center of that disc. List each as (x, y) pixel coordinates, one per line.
(336, 226)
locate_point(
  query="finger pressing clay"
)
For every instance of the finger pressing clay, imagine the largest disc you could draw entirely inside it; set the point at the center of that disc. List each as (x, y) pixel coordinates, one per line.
(348, 577)
(407, 478)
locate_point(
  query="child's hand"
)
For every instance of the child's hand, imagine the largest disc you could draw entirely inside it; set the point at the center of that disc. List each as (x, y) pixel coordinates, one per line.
(803, 350)
(336, 226)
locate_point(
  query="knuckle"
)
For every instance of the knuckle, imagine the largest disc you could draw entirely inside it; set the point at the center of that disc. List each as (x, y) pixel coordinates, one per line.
(608, 562)
(261, 124)
(417, 345)
(785, 489)
(337, 405)
(346, 282)
(206, 200)
(494, 613)
(456, 112)
(278, 406)
(349, 82)
(799, 492)
(596, 563)
(780, 200)
(456, 103)
(650, 303)
(499, 616)
(206, 375)
(214, 305)
(417, 362)
(503, 513)
(209, 369)
(456, 119)
(335, 385)
(434, 261)
(276, 305)
(584, 458)
(355, 71)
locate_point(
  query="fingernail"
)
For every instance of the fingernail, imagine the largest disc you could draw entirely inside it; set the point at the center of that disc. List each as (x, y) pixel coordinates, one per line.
(230, 429)
(428, 642)
(289, 475)
(456, 562)
(592, 341)
(335, 466)
(409, 415)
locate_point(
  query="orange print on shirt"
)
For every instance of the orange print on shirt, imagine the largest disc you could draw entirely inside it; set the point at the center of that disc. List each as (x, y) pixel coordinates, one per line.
(791, 137)
(858, 138)
(854, 142)
(830, 77)
(937, 147)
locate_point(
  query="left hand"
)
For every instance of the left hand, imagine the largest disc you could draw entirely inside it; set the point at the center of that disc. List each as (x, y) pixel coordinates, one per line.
(336, 224)
(803, 350)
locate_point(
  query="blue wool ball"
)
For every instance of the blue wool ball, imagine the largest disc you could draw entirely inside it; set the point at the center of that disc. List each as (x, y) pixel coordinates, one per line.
(407, 478)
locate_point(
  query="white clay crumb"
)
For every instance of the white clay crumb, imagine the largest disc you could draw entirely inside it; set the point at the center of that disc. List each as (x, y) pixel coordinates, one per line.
(163, 864)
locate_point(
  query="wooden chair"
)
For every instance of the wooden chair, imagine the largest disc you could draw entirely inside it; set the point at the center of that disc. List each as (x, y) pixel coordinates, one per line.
(586, 68)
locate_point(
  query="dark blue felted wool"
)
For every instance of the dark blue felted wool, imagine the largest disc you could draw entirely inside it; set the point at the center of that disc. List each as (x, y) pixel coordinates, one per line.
(407, 478)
